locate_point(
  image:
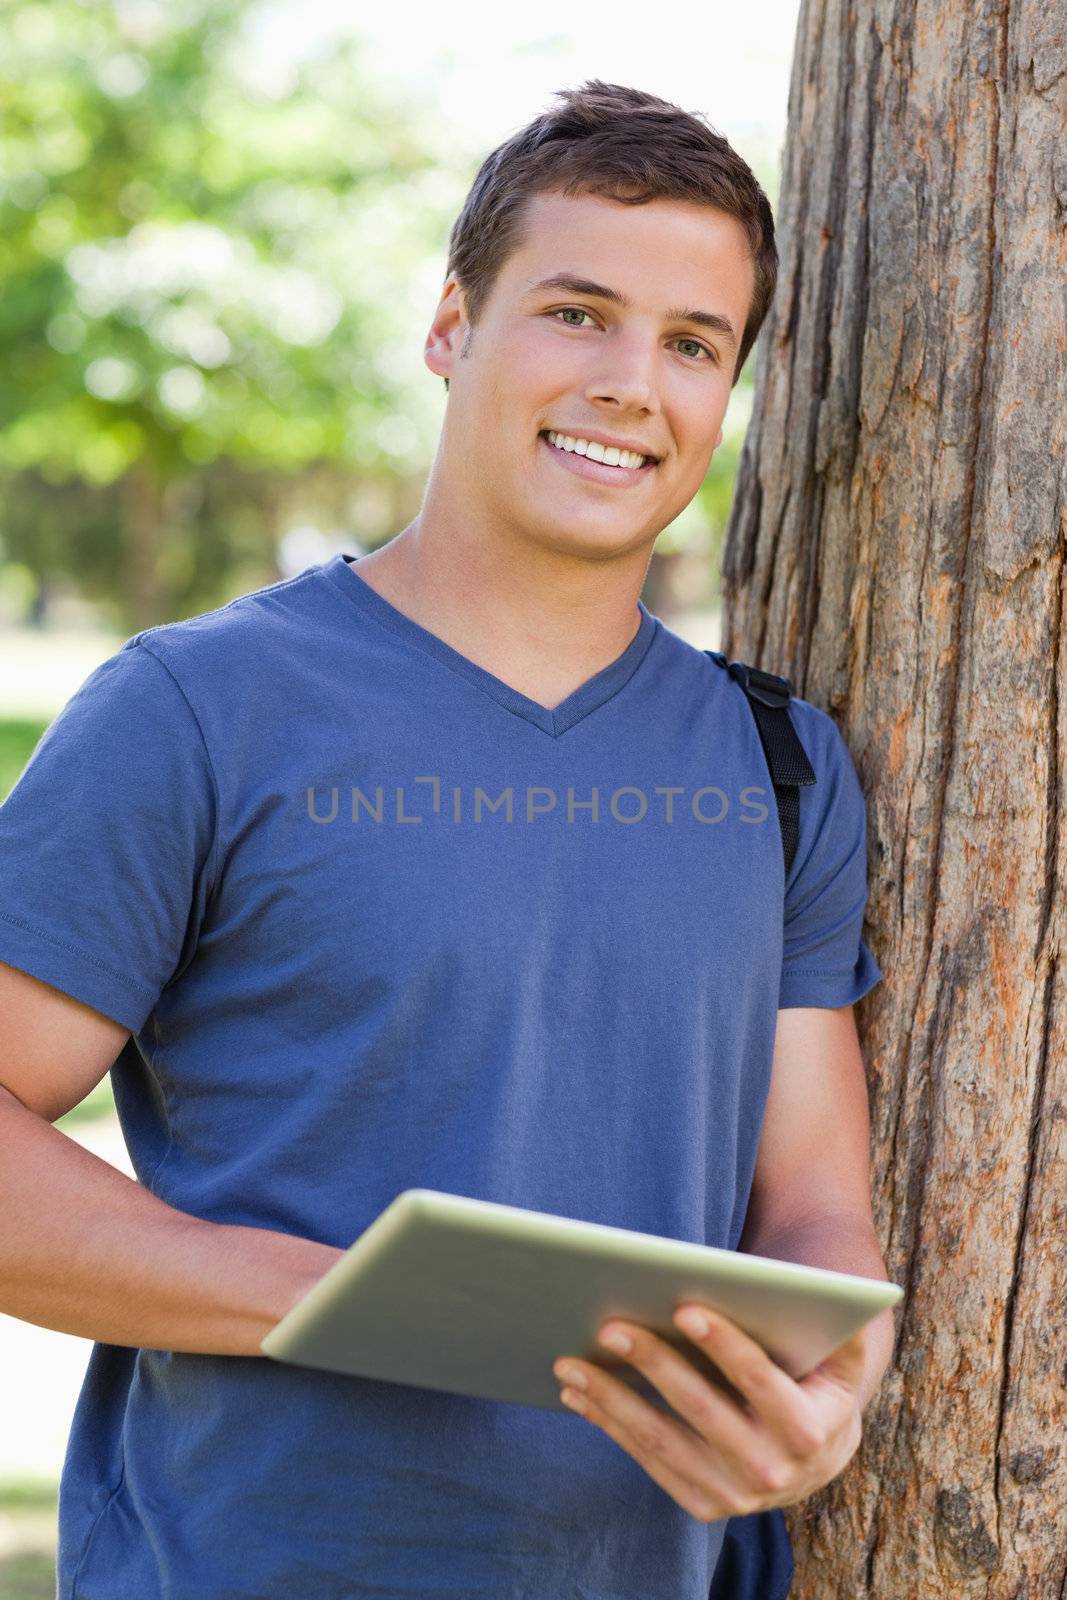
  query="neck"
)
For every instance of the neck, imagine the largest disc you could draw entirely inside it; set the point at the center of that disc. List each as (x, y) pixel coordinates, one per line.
(541, 621)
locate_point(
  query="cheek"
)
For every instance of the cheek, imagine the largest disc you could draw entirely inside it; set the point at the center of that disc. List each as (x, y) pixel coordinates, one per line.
(696, 415)
(535, 361)
(695, 399)
(713, 414)
(696, 451)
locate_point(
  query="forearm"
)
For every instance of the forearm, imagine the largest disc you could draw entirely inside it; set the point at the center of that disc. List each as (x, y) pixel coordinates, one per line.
(86, 1250)
(843, 1245)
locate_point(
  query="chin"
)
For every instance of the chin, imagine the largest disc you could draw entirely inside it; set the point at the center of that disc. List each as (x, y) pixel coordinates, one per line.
(597, 543)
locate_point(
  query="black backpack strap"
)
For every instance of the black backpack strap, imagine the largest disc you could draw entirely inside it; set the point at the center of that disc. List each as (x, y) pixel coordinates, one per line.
(787, 761)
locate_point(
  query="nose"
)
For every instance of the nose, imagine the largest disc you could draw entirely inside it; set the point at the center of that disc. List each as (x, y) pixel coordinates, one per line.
(629, 384)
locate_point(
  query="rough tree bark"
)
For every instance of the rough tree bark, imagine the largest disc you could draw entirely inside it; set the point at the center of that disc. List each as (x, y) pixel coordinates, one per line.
(897, 548)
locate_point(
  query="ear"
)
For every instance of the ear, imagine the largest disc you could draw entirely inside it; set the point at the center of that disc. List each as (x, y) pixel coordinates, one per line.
(445, 338)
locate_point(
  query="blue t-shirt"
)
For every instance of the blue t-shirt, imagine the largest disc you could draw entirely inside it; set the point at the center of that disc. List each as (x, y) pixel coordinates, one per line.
(377, 921)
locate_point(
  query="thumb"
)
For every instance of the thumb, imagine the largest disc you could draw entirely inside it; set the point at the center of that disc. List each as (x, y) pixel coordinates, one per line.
(845, 1365)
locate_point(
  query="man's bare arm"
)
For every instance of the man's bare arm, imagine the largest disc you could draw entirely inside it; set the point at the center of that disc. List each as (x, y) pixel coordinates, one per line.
(810, 1202)
(86, 1250)
(811, 1198)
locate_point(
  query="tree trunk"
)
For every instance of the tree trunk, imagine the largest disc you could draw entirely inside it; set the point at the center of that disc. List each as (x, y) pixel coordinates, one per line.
(896, 546)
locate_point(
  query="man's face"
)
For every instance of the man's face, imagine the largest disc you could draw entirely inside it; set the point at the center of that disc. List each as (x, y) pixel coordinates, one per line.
(581, 365)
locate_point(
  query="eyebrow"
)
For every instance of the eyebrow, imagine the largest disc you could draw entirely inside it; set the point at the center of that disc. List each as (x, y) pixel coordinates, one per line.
(571, 284)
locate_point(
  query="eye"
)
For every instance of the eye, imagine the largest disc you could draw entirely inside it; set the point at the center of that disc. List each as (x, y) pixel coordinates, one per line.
(581, 311)
(707, 351)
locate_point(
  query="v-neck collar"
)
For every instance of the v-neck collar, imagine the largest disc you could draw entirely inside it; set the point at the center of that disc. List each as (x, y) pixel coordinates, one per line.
(342, 571)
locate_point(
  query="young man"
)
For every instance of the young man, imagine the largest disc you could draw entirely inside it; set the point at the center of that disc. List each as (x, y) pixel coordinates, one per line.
(436, 869)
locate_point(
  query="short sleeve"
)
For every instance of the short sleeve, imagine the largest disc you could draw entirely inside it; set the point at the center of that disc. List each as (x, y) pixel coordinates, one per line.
(825, 961)
(107, 841)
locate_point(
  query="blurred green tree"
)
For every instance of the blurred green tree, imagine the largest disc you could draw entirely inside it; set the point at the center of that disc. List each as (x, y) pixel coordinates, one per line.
(216, 271)
(199, 313)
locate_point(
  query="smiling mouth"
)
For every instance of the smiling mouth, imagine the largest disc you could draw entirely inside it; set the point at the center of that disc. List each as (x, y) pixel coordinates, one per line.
(597, 471)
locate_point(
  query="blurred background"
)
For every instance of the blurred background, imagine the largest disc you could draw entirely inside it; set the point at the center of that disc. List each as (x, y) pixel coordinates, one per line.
(223, 235)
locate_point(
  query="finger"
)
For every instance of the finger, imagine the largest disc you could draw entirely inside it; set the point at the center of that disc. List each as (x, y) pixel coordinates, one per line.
(708, 1410)
(777, 1401)
(652, 1431)
(844, 1366)
(705, 1500)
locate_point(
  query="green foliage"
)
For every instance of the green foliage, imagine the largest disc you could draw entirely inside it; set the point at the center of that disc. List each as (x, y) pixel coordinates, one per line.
(197, 290)
(216, 273)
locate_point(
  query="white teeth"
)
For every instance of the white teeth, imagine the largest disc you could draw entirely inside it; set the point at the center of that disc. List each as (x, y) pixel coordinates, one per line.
(610, 456)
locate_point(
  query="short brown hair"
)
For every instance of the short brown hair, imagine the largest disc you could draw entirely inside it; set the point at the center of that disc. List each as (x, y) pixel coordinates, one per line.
(626, 145)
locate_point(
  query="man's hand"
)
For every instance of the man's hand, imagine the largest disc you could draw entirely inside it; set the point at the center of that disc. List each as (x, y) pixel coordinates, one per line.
(783, 1443)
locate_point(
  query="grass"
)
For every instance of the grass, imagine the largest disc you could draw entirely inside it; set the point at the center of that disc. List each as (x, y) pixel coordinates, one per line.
(28, 1527)
(28, 1575)
(18, 739)
(99, 1103)
(28, 1494)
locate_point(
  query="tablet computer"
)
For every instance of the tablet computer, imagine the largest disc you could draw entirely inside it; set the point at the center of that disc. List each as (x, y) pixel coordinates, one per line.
(476, 1298)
